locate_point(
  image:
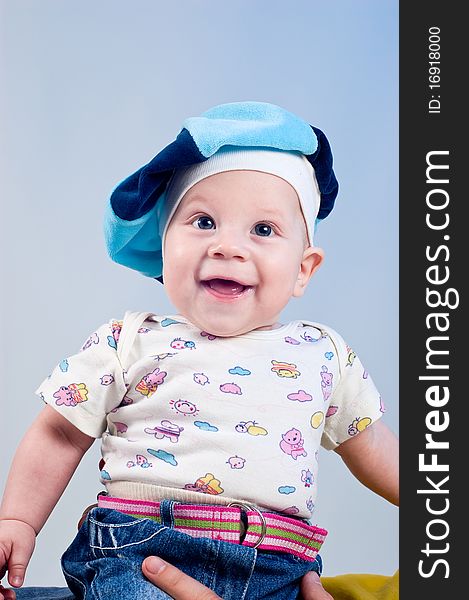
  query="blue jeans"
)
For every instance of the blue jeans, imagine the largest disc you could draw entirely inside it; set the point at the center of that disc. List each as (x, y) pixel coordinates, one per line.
(40, 593)
(104, 561)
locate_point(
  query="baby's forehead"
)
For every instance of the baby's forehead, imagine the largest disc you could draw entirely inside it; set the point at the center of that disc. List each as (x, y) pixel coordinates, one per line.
(252, 188)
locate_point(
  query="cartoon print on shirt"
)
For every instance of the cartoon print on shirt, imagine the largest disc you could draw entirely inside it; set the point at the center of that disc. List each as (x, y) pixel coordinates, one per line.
(310, 339)
(307, 478)
(71, 395)
(63, 365)
(310, 505)
(209, 336)
(382, 407)
(106, 379)
(331, 410)
(150, 382)
(116, 328)
(125, 402)
(184, 407)
(120, 427)
(163, 455)
(163, 355)
(111, 342)
(290, 510)
(165, 429)
(231, 388)
(180, 344)
(205, 426)
(93, 339)
(167, 321)
(140, 461)
(250, 427)
(351, 356)
(317, 419)
(329, 355)
(292, 443)
(201, 378)
(359, 424)
(236, 462)
(284, 369)
(143, 330)
(239, 371)
(326, 383)
(290, 340)
(300, 396)
(286, 489)
(206, 485)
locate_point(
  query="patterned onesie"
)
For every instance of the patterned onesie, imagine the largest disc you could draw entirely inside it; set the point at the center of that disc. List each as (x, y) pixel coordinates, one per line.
(238, 418)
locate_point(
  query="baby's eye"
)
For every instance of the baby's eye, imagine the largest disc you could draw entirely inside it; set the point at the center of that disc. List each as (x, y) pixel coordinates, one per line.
(204, 223)
(262, 229)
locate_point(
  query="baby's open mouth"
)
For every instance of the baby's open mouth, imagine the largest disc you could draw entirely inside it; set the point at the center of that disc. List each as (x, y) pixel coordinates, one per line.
(225, 287)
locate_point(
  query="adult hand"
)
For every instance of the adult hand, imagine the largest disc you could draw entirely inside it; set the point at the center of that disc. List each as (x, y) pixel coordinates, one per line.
(182, 587)
(311, 588)
(174, 582)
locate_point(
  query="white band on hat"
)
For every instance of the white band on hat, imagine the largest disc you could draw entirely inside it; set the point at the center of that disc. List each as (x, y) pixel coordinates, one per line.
(293, 167)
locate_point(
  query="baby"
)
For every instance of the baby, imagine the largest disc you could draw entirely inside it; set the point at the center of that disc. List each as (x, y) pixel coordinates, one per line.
(210, 419)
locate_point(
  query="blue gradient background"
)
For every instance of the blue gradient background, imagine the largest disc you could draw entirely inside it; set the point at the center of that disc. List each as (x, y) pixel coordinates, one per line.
(90, 92)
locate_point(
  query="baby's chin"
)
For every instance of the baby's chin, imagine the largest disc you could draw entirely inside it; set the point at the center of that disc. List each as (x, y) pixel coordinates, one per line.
(226, 327)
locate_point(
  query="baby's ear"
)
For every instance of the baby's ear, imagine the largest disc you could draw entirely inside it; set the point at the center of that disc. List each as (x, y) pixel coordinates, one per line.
(310, 263)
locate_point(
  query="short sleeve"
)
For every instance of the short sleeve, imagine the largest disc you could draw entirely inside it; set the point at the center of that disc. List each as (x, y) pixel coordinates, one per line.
(354, 404)
(85, 387)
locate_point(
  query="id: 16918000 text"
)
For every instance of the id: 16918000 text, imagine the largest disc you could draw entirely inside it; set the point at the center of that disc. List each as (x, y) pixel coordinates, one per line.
(434, 55)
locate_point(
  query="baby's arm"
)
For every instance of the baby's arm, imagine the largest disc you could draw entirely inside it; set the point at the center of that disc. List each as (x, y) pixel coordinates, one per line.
(42, 466)
(373, 457)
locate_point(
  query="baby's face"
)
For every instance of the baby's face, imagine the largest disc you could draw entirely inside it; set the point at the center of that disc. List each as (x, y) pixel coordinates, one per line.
(235, 252)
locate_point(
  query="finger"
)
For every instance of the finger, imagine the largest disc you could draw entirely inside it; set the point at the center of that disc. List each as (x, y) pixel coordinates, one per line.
(311, 588)
(174, 582)
(18, 561)
(6, 594)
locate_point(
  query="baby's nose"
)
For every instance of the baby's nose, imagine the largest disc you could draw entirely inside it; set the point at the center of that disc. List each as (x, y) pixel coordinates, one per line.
(228, 246)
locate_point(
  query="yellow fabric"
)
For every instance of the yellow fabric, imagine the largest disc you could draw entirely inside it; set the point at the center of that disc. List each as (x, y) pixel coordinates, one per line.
(362, 586)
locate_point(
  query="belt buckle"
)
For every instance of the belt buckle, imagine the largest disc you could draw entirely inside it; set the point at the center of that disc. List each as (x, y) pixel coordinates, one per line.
(261, 516)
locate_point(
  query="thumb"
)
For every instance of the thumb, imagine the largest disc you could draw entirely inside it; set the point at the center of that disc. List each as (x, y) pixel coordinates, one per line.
(18, 561)
(174, 582)
(311, 588)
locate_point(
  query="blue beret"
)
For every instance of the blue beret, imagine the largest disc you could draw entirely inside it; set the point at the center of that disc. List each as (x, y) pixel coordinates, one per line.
(132, 215)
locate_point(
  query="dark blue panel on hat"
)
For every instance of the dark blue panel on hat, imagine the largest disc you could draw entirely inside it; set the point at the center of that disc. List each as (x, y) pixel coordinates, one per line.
(138, 194)
(322, 165)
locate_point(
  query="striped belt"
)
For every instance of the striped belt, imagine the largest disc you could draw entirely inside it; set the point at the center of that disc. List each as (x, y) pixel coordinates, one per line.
(237, 523)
